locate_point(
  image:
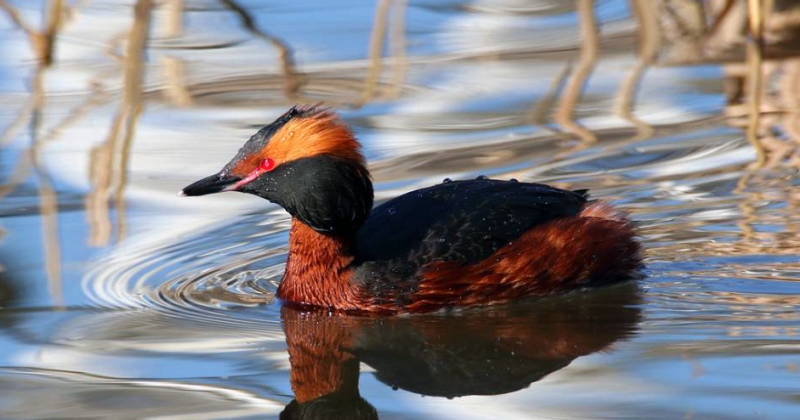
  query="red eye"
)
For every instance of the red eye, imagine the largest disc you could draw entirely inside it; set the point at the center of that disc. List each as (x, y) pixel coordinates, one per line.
(267, 165)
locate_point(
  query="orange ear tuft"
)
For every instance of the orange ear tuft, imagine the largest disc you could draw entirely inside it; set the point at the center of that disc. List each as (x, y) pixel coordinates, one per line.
(312, 131)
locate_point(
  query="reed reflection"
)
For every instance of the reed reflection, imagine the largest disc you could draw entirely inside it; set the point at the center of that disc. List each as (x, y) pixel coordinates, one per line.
(7, 291)
(490, 351)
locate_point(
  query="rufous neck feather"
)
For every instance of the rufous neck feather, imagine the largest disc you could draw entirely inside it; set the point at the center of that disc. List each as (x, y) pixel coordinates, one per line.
(317, 269)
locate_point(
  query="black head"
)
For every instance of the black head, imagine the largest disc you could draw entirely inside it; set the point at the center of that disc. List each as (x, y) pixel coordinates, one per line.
(309, 163)
(327, 193)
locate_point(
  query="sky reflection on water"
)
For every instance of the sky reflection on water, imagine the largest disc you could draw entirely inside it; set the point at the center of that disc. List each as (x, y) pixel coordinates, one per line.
(119, 299)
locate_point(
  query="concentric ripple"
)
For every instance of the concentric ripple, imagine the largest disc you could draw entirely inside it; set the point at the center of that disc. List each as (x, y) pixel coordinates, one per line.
(203, 278)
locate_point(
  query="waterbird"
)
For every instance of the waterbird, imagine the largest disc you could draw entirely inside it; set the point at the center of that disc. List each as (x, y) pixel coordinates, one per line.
(453, 245)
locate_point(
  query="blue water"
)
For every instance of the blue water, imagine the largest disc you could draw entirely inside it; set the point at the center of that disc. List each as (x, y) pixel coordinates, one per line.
(119, 299)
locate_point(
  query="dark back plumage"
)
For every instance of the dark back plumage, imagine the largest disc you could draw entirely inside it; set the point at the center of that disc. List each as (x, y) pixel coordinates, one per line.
(457, 221)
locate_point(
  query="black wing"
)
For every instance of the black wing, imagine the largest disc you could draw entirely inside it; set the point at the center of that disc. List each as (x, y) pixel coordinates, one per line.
(464, 221)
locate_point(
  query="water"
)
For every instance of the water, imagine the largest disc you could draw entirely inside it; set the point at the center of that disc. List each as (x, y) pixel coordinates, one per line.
(121, 300)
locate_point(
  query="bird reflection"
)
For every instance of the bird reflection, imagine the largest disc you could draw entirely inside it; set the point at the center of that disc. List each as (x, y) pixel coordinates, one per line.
(489, 351)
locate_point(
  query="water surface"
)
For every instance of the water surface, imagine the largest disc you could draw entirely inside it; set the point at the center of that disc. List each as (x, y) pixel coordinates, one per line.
(121, 300)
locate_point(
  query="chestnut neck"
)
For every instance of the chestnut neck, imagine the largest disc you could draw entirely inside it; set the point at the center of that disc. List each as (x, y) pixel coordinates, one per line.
(318, 269)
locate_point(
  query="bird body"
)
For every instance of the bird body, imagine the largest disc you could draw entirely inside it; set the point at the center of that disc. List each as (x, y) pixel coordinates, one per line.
(455, 244)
